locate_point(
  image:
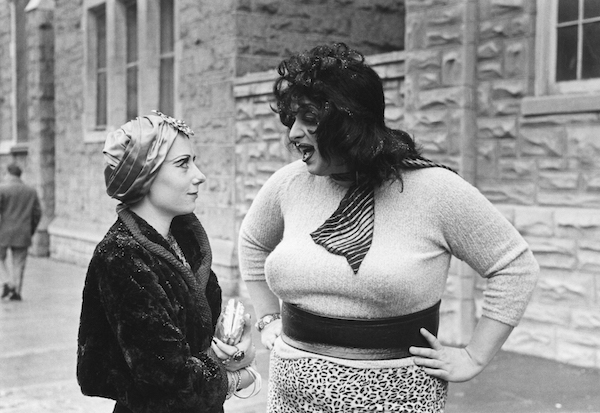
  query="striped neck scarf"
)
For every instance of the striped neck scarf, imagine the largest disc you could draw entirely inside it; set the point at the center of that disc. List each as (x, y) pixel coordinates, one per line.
(349, 230)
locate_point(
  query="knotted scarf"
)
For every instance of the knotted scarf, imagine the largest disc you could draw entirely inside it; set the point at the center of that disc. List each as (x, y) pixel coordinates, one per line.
(349, 230)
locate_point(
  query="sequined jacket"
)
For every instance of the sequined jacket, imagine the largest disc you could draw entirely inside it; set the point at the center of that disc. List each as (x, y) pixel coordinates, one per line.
(142, 341)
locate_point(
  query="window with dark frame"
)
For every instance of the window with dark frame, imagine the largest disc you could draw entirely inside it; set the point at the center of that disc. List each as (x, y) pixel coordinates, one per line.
(131, 58)
(101, 68)
(167, 57)
(578, 40)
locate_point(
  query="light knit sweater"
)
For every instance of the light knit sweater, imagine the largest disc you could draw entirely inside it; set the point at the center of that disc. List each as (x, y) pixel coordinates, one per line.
(419, 225)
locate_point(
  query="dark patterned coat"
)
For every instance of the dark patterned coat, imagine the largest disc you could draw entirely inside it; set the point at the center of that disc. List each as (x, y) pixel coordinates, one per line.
(143, 337)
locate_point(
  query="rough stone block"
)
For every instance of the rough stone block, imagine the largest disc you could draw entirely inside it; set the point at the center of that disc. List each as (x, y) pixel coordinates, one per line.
(577, 348)
(559, 180)
(443, 36)
(452, 67)
(589, 256)
(522, 26)
(509, 89)
(556, 253)
(216, 160)
(583, 142)
(543, 141)
(586, 320)
(493, 30)
(487, 159)
(534, 221)
(577, 223)
(502, 7)
(516, 59)
(429, 80)
(515, 192)
(517, 169)
(537, 339)
(548, 314)
(570, 289)
(449, 98)
(489, 69)
(423, 60)
(498, 128)
(489, 50)
(568, 199)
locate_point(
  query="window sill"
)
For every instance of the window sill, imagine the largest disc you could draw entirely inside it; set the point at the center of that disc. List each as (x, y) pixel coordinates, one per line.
(545, 105)
(12, 148)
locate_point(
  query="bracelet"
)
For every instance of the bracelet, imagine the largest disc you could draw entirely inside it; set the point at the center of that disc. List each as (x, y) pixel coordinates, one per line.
(265, 320)
(257, 383)
(234, 379)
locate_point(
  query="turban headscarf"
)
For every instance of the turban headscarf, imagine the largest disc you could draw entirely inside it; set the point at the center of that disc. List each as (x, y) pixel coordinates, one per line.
(135, 152)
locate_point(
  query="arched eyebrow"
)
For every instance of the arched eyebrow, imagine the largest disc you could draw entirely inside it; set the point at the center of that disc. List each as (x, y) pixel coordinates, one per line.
(181, 157)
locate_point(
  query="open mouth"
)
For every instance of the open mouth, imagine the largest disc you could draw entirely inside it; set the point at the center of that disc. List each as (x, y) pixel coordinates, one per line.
(306, 150)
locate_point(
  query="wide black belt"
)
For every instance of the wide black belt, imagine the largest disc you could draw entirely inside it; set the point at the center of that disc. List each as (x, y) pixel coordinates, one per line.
(349, 338)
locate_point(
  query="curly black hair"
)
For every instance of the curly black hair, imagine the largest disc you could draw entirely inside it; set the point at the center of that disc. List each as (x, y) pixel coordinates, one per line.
(335, 86)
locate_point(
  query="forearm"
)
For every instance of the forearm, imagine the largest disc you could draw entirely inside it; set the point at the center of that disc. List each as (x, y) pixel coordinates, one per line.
(487, 339)
(263, 299)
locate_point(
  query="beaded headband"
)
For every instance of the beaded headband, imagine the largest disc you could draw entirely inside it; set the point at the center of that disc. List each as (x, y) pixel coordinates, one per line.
(176, 123)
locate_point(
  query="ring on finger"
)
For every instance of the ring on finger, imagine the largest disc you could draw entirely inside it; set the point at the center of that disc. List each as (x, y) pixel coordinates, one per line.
(226, 361)
(239, 355)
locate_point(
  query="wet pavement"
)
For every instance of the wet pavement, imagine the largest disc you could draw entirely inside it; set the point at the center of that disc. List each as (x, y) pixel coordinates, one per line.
(38, 354)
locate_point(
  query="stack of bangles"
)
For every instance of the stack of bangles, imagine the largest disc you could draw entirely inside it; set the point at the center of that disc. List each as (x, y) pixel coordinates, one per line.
(234, 379)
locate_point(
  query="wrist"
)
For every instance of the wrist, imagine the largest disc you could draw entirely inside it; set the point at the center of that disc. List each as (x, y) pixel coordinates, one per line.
(234, 379)
(266, 320)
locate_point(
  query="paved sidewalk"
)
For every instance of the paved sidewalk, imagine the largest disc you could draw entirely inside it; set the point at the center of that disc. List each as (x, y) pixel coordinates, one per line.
(38, 350)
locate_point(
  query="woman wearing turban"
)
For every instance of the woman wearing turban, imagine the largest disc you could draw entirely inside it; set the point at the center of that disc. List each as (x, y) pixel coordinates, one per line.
(151, 300)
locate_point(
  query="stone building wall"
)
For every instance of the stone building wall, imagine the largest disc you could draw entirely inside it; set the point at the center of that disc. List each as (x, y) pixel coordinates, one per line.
(82, 212)
(269, 30)
(5, 75)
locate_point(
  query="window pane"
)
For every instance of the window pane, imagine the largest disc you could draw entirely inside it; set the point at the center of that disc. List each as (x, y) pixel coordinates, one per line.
(167, 30)
(167, 86)
(568, 10)
(131, 22)
(101, 82)
(591, 8)
(132, 95)
(101, 39)
(590, 58)
(566, 53)
(101, 100)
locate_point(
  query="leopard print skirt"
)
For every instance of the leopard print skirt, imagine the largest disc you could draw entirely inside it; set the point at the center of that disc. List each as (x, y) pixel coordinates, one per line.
(315, 385)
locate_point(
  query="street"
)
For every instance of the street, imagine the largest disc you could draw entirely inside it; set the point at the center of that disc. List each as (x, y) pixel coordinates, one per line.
(38, 355)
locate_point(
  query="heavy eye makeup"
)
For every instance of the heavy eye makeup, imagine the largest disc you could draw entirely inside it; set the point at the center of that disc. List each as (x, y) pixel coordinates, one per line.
(184, 161)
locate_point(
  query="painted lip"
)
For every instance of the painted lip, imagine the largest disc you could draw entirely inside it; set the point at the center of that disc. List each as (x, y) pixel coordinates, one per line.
(306, 150)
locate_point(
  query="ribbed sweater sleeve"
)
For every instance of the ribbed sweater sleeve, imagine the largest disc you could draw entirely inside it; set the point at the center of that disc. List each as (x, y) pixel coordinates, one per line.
(262, 228)
(478, 234)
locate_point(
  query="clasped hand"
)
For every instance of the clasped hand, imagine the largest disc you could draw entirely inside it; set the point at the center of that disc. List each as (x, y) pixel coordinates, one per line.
(447, 363)
(239, 356)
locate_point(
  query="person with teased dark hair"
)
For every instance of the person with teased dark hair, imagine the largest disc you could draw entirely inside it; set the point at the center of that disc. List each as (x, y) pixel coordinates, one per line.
(151, 300)
(355, 241)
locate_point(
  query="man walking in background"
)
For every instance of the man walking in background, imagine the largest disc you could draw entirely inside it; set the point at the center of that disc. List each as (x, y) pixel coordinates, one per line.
(20, 213)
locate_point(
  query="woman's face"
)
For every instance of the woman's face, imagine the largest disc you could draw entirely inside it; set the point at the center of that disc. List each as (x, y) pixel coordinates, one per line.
(303, 137)
(175, 188)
